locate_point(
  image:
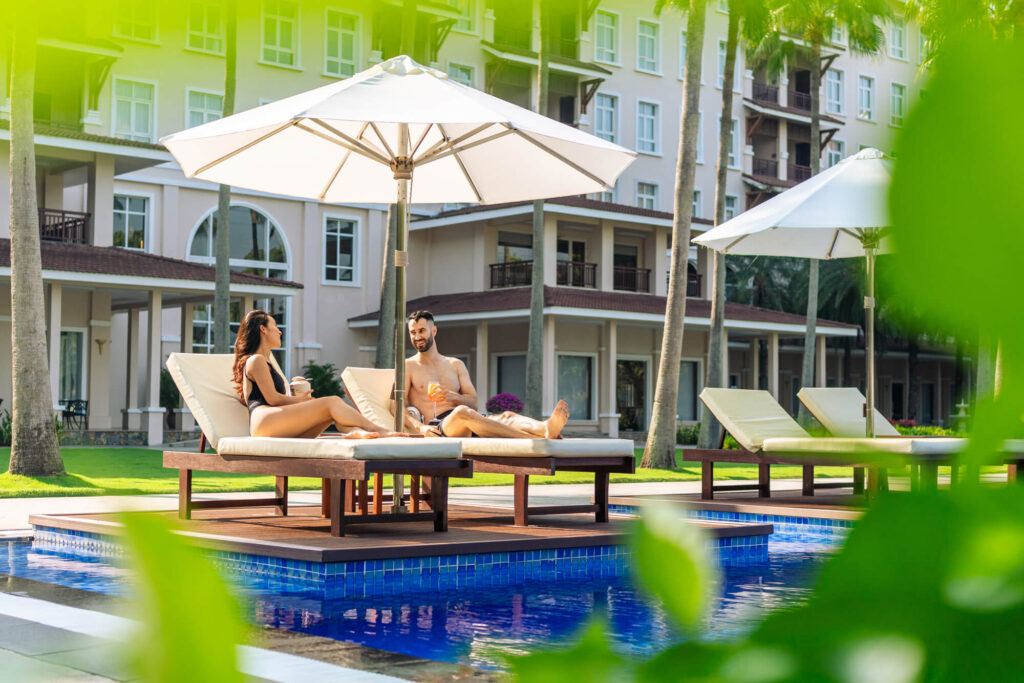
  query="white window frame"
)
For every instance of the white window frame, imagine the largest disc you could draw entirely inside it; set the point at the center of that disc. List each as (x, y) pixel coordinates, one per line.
(147, 236)
(682, 57)
(616, 48)
(357, 230)
(898, 50)
(656, 197)
(296, 37)
(838, 35)
(840, 102)
(594, 377)
(723, 53)
(113, 106)
(472, 16)
(893, 122)
(697, 206)
(656, 152)
(922, 46)
(120, 6)
(616, 118)
(492, 373)
(735, 208)
(191, 30)
(873, 90)
(84, 379)
(700, 385)
(612, 194)
(356, 50)
(829, 153)
(461, 65)
(656, 69)
(201, 91)
(700, 136)
(733, 162)
(723, 6)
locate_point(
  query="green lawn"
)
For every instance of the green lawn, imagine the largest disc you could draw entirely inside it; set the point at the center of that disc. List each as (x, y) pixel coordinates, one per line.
(129, 471)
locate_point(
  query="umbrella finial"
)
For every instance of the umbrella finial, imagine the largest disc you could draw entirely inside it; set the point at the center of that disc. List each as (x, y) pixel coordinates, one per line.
(404, 65)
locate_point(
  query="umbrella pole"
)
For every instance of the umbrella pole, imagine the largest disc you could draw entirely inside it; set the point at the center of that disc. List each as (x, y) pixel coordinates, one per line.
(869, 383)
(403, 175)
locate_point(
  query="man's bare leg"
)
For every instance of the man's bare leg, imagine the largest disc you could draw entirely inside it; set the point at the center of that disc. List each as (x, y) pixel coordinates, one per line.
(464, 422)
(550, 428)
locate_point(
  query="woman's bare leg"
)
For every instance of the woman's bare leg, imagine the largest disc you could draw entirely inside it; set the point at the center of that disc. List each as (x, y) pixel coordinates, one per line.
(301, 419)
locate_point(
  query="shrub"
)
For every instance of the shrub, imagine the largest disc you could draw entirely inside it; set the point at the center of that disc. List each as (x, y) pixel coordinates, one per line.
(499, 403)
(324, 379)
(926, 430)
(6, 427)
(686, 435)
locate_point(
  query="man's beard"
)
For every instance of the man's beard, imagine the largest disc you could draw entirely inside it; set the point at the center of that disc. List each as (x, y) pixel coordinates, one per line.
(426, 345)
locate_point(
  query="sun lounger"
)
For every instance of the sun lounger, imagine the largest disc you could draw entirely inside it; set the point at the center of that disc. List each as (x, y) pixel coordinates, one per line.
(370, 391)
(204, 381)
(768, 436)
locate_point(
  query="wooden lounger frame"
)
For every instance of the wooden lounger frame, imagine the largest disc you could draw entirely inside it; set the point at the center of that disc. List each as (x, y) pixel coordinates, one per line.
(339, 479)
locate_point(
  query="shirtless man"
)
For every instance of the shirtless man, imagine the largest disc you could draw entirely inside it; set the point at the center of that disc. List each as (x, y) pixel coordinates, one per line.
(455, 395)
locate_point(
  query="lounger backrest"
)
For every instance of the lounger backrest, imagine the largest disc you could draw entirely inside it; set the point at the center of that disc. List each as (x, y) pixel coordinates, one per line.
(841, 411)
(370, 391)
(751, 416)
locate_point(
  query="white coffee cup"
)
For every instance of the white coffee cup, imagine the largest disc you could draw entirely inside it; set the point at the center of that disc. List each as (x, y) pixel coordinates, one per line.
(300, 386)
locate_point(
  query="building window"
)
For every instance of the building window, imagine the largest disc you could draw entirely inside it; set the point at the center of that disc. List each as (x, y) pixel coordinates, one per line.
(647, 195)
(834, 92)
(206, 26)
(606, 117)
(723, 49)
(923, 47)
(682, 54)
(734, 151)
(341, 54)
(606, 43)
(134, 110)
(648, 128)
(131, 218)
(280, 29)
(576, 385)
(341, 251)
(897, 104)
(135, 19)
(462, 73)
(731, 202)
(648, 46)
(467, 15)
(202, 107)
(866, 98)
(700, 137)
(514, 246)
(72, 364)
(697, 204)
(511, 375)
(609, 195)
(898, 40)
(838, 34)
(689, 386)
(836, 152)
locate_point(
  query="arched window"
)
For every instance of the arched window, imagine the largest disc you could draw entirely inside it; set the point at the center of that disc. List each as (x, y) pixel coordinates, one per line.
(258, 247)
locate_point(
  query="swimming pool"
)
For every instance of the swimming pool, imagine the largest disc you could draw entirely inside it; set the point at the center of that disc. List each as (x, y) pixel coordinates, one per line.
(478, 625)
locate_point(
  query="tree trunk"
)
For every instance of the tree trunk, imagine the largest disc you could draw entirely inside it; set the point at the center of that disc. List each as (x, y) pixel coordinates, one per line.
(710, 430)
(386, 327)
(914, 390)
(661, 438)
(34, 448)
(807, 366)
(534, 400)
(222, 246)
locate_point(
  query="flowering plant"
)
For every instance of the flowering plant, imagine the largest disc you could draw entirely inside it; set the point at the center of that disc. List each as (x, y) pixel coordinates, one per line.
(904, 423)
(499, 403)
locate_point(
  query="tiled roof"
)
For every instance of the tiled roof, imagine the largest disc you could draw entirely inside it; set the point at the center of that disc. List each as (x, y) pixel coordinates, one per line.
(576, 201)
(56, 131)
(789, 110)
(77, 258)
(518, 298)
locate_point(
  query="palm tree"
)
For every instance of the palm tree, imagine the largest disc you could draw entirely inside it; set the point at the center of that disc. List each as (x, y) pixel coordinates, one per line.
(660, 450)
(222, 247)
(34, 448)
(940, 20)
(813, 22)
(752, 14)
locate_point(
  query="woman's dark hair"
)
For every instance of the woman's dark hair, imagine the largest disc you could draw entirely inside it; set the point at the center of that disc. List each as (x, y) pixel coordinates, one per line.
(246, 343)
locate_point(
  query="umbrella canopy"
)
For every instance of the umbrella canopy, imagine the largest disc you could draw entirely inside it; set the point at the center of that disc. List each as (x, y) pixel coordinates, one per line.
(841, 212)
(341, 142)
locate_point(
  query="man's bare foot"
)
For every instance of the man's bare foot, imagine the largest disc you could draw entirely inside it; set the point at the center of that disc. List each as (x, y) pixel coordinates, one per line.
(361, 434)
(554, 424)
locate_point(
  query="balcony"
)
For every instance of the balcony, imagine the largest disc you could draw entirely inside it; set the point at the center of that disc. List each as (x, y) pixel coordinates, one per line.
(767, 168)
(763, 92)
(564, 47)
(513, 36)
(520, 274)
(627, 279)
(798, 172)
(69, 227)
(693, 285)
(576, 274)
(800, 100)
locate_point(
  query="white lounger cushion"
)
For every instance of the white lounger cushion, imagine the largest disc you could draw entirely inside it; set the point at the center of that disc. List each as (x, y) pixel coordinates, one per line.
(370, 390)
(839, 445)
(340, 448)
(204, 380)
(751, 416)
(840, 410)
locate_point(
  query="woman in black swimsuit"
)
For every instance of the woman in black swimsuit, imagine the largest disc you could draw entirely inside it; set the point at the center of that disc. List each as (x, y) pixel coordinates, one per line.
(272, 412)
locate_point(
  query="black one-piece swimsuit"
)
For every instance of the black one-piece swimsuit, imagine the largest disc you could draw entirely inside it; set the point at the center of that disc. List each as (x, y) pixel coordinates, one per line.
(256, 397)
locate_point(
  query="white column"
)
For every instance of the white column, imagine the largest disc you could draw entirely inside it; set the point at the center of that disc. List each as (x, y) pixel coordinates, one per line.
(100, 356)
(773, 364)
(609, 379)
(99, 201)
(186, 422)
(550, 367)
(755, 362)
(659, 281)
(131, 382)
(306, 303)
(783, 149)
(153, 412)
(725, 358)
(550, 252)
(607, 263)
(55, 310)
(821, 360)
(168, 225)
(247, 303)
(483, 392)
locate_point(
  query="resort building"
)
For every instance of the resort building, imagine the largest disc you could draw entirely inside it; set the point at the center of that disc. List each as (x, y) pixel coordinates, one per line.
(127, 248)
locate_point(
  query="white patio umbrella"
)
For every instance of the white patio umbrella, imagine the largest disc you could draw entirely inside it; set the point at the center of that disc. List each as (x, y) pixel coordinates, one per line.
(839, 213)
(403, 132)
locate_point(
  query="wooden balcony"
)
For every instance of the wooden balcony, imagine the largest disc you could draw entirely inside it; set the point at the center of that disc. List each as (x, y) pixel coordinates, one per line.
(763, 92)
(520, 274)
(800, 100)
(576, 274)
(69, 227)
(798, 172)
(627, 279)
(513, 36)
(693, 285)
(767, 168)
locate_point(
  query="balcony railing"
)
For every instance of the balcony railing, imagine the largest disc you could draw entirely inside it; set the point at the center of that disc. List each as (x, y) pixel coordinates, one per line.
(768, 168)
(763, 92)
(800, 100)
(798, 172)
(576, 274)
(564, 47)
(693, 285)
(632, 279)
(69, 227)
(513, 36)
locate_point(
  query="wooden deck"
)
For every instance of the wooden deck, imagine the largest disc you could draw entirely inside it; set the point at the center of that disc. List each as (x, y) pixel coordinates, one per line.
(304, 534)
(786, 504)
